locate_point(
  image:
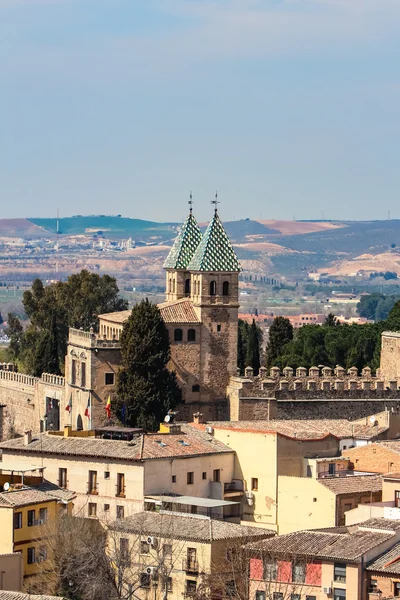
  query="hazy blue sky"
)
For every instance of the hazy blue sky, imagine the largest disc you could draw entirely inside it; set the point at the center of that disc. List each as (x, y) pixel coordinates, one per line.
(287, 107)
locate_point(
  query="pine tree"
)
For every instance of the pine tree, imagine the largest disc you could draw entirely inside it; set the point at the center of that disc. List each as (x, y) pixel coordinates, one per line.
(253, 348)
(145, 386)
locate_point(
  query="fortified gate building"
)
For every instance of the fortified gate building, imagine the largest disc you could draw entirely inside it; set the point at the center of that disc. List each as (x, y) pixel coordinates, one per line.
(201, 314)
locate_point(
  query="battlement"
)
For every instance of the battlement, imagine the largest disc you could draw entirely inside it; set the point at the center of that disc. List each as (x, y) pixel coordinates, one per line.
(57, 380)
(19, 378)
(89, 339)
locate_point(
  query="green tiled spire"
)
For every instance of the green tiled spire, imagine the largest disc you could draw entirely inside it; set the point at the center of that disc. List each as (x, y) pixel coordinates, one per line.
(215, 252)
(185, 244)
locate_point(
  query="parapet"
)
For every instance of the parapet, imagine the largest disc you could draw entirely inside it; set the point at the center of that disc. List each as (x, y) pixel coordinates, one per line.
(89, 339)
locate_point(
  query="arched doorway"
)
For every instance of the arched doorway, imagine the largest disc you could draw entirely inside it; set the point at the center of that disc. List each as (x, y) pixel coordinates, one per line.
(79, 423)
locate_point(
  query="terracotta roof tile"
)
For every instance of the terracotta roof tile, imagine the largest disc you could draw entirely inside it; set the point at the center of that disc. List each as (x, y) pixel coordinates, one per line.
(24, 497)
(189, 527)
(181, 311)
(5, 595)
(352, 484)
(389, 562)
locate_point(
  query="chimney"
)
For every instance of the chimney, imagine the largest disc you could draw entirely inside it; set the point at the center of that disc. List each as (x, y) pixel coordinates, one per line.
(27, 437)
(67, 430)
(198, 418)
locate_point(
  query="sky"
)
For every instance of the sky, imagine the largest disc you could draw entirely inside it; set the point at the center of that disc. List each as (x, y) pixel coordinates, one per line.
(289, 108)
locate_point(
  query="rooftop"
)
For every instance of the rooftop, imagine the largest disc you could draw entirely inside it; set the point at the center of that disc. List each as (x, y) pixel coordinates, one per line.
(189, 442)
(215, 252)
(188, 527)
(388, 562)
(179, 311)
(346, 543)
(192, 501)
(25, 496)
(303, 429)
(5, 595)
(185, 244)
(352, 484)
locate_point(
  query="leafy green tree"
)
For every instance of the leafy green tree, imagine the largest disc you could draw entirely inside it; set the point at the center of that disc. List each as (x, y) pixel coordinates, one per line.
(367, 306)
(243, 334)
(384, 307)
(393, 320)
(280, 334)
(331, 320)
(146, 389)
(14, 330)
(253, 348)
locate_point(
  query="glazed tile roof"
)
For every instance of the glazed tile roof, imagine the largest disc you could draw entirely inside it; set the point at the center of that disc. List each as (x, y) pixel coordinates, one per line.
(215, 252)
(24, 497)
(389, 562)
(352, 484)
(189, 527)
(304, 429)
(180, 311)
(155, 446)
(5, 595)
(330, 544)
(185, 244)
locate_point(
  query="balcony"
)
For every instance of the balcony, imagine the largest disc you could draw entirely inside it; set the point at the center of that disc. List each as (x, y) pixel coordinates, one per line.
(190, 566)
(234, 488)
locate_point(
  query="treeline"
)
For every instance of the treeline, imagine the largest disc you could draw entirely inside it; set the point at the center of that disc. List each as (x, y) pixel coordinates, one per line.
(329, 344)
(51, 310)
(376, 307)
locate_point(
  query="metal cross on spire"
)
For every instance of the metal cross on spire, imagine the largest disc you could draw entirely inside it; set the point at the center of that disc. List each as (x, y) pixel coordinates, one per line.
(216, 202)
(190, 202)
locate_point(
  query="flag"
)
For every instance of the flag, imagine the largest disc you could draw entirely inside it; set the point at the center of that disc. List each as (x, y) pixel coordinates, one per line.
(50, 404)
(107, 407)
(123, 413)
(69, 405)
(87, 411)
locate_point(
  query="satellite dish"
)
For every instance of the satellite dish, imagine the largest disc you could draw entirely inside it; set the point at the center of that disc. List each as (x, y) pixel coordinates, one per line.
(167, 419)
(6, 486)
(372, 420)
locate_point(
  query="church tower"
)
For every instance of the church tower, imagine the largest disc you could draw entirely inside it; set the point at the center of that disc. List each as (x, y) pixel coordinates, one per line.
(178, 279)
(214, 271)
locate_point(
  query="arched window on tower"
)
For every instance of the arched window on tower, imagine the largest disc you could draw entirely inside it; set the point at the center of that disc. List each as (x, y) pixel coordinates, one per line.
(213, 288)
(191, 335)
(178, 335)
(187, 287)
(225, 288)
(173, 286)
(170, 285)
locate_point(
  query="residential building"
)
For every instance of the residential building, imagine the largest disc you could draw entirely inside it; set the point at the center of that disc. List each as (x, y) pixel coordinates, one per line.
(384, 575)
(179, 554)
(11, 571)
(326, 564)
(287, 464)
(111, 478)
(380, 457)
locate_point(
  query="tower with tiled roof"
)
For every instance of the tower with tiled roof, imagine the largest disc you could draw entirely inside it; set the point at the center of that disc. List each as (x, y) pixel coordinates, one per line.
(176, 265)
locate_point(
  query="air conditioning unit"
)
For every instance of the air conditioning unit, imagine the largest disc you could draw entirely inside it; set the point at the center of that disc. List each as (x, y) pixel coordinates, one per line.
(327, 590)
(249, 498)
(209, 429)
(152, 571)
(152, 541)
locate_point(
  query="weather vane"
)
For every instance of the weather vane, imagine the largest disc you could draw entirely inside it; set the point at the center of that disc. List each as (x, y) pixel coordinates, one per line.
(190, 202)
(216, 202)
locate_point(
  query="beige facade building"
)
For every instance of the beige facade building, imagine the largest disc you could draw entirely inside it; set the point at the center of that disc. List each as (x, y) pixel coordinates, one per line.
(11, 571)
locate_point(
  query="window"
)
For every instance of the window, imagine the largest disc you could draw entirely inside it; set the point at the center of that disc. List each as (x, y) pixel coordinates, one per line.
(124, 549)
(311, 597)
(218, 328)
(347, 506)
(144, 547)
(144, 580)
(204, 475)
(43, 515)
(213, 288)
(190, 586)
(397, 499)
(167, 550)
(178, 335)
(373, 584)
(109, 378)
(42, 556)
(62, 478)
(73, 372)
(106, 474)
(217, 475)
(230, 588)
(299, 573)
(254, 484)
(83, 375)
(187, 287)
(191, 335)
(31, 518)
(270, 570)
(106, 507)
(173, 478)
(339, 594)
(260, 596)
(396, 589)
(295, 597)
(225, 288)
(31, 556)
(195, 388)
(18, 520)
(331, 468)
(92, 509)
(309, 471)
(278, 596)
(169, 584)
(190, 478)
(120, 512)
(121, 484)
(339, 572)
(92, 483)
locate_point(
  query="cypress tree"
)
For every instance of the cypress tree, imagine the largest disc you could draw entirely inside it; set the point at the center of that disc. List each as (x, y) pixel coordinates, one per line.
(280, 333)
(144, 385)
(243, 334)
(253, 348)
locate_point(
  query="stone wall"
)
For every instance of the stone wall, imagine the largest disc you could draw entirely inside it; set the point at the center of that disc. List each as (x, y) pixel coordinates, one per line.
(24, 401)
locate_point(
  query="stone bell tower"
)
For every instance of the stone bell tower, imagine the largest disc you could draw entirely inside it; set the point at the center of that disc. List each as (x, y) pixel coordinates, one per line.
(214, 270)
